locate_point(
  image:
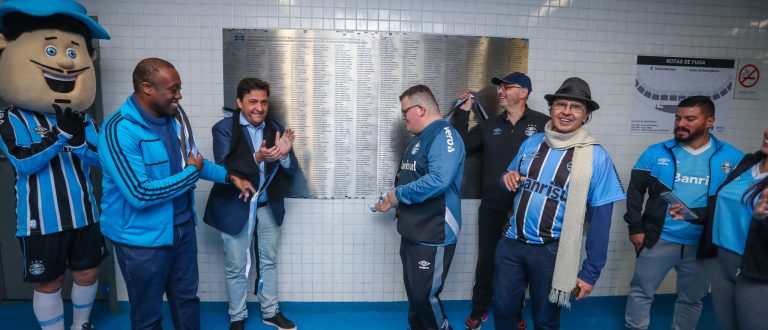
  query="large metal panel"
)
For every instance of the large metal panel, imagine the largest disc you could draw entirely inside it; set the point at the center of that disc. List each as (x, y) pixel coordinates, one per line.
(339, 91)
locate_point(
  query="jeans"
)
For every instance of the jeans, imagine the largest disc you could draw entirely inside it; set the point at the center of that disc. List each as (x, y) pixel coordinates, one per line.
(237, 252)
(520, 266)
(268, 233)
(151, 271)
(651, 267)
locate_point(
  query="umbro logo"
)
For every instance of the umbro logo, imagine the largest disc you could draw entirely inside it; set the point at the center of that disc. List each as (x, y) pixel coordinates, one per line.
(424, 264)
(663, 161)
(497, 131)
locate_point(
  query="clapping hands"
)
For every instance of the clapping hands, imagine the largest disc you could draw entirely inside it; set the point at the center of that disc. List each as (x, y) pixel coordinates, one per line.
(281, 149)
(284, 143)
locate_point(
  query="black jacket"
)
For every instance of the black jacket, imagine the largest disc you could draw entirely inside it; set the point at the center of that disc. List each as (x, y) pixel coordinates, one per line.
(499, 141)
(233, 148)
(754, 263)
(757, 229)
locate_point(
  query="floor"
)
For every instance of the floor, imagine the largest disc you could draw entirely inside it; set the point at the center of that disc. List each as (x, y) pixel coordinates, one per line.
(593, 313)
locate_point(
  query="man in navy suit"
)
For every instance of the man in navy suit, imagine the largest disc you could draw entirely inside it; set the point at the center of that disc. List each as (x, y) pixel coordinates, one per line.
(260, 149)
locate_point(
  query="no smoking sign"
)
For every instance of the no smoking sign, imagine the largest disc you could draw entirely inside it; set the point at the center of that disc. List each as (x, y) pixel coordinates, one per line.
(749, 75)
(747, 79)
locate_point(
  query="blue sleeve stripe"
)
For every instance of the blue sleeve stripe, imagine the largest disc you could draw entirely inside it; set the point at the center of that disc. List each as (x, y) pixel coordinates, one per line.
(124, 168)
(127, 174)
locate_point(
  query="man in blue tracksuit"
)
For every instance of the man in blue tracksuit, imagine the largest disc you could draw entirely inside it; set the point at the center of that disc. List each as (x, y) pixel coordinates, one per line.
(151, 166)
(692, 165)
(427, 196)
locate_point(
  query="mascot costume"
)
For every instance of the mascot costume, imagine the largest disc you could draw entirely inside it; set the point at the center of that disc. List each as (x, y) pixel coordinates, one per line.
(48, 78)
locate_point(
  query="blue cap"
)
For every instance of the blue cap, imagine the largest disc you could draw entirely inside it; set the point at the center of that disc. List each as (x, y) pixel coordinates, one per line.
(44, 8)
(514, 78)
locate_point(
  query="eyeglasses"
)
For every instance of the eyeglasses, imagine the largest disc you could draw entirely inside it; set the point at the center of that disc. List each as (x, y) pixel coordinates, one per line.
(575, 106)
(405, 111)
(506, 87)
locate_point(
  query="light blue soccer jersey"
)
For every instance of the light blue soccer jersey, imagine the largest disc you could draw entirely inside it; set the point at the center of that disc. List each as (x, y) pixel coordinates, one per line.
(733, 213)
(53, 184)
(691, 185)
(539, 206)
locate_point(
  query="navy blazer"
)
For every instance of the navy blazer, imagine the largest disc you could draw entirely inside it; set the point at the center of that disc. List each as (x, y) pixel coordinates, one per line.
(224, 211)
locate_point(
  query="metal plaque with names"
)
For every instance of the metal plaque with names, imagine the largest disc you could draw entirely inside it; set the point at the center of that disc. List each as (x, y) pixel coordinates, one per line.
(339, 91)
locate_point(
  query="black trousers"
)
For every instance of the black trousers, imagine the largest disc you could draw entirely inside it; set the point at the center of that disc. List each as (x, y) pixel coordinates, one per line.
(490, 223)
(424, 272)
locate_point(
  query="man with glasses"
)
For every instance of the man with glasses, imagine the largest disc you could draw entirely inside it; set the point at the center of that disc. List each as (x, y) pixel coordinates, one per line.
(498, 138)
(427, 196)
(692, 165)
(561, 177)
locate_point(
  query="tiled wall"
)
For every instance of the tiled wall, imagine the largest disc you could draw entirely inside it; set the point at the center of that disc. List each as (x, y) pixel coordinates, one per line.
(336, 250)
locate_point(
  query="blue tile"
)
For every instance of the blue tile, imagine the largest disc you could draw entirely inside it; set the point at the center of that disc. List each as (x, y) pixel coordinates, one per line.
(593, 313)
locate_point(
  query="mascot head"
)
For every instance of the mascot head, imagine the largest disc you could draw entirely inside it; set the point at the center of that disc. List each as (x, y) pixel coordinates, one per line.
(46, 54)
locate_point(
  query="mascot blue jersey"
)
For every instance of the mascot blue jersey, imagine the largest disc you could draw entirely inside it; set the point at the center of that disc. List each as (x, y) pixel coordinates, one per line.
(53, 185)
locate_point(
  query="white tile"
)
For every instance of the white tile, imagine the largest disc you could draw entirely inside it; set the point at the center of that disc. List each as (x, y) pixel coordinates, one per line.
(324, 241)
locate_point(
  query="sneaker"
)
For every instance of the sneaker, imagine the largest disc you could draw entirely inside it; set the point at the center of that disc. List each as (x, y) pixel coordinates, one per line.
(521, 325)
(237, 325)
(87, 326)
(280, 321)
(475, 322)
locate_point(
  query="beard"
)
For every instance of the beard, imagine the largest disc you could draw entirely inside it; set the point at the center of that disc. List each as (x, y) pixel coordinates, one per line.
(692, 135)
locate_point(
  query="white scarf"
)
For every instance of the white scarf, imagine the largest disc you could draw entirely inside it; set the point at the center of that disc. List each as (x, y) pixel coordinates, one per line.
(569, 249)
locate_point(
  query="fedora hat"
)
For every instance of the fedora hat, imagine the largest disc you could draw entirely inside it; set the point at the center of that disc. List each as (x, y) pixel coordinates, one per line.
(577, 89)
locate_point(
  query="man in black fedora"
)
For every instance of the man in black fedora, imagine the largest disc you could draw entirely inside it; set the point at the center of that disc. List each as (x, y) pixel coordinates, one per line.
(498, 138)
(560, 177)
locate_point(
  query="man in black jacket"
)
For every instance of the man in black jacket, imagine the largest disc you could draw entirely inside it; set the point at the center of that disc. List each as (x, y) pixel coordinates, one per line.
(498, 138)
